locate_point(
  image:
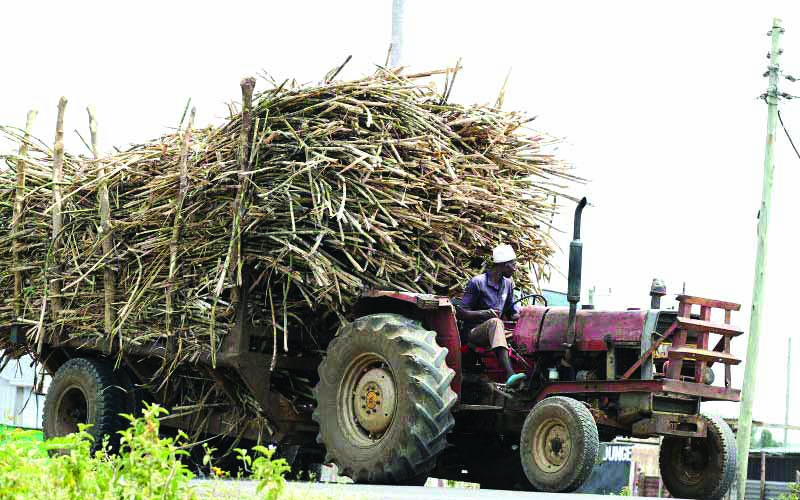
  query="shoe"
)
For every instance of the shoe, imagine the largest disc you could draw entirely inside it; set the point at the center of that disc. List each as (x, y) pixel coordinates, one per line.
(515, 379)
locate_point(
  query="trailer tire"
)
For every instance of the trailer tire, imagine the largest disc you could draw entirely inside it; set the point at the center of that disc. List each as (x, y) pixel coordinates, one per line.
(558, 445)
(84, 391)
(708, 470)
(384, 400)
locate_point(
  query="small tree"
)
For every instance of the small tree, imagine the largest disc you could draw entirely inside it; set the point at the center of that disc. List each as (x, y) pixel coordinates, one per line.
(767, 441)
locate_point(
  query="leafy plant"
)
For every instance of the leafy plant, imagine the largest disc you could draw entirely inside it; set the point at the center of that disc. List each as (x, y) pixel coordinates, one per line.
(269, 473)
(27, 470)
(794, 493)
(147, 467)
(150, 464)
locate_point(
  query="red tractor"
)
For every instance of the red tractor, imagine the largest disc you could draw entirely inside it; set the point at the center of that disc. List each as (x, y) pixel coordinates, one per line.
(399, 398)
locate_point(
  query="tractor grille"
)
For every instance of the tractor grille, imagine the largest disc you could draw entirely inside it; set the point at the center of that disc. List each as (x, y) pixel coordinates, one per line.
(665, 319)
(663, 322)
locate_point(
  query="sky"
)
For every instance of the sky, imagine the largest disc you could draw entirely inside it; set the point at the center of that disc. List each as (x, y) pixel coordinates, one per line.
(657, 102)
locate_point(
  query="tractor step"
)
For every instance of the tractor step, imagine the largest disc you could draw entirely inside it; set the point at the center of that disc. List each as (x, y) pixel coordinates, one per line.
(479, 408)
(698, 325)
(703, 355)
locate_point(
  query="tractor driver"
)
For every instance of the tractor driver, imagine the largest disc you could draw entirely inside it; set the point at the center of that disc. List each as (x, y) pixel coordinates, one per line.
(486, 297)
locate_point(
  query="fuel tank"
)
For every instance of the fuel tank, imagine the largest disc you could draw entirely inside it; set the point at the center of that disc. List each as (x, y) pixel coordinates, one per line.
(545, 328)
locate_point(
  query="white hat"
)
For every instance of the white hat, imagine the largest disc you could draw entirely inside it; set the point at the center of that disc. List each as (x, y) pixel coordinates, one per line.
(503, 253)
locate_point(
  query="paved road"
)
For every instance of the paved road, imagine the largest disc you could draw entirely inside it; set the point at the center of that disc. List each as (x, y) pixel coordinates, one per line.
(321, 491)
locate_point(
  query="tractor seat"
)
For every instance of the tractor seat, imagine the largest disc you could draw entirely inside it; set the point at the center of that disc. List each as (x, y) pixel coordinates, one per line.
(472, 358)
(472, 355)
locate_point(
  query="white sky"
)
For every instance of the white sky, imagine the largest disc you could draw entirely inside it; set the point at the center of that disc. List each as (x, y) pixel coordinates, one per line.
(658, 103)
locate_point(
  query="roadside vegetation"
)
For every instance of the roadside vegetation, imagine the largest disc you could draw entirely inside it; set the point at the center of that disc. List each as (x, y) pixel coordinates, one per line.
(147, 466)
(794, 492)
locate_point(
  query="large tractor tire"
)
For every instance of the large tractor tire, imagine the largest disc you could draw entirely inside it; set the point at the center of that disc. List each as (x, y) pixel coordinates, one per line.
(84, 391)
(699, 467)
(558, 445)
(384, 400)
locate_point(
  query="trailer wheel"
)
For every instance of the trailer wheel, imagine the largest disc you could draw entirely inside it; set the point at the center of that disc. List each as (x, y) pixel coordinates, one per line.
(699, 467)
(84, 391)
(384, 400)
(558, 445)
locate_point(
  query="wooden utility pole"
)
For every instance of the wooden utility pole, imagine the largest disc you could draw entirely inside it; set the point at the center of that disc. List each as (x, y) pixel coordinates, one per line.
(788, 393)
(751, 360)
(396, 50)
(762, 495)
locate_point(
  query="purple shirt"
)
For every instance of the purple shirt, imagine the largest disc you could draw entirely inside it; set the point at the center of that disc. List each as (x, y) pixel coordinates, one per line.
(480, 294)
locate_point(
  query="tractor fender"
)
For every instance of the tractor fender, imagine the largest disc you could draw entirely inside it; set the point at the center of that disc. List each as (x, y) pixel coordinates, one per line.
(434, 313)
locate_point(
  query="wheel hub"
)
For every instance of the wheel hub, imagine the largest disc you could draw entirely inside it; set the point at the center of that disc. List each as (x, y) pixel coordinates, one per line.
(693, 459)
(72, 409)
(374, 401)
(552, 446)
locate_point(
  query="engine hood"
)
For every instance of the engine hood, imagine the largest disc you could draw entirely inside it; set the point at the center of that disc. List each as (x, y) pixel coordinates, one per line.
(545, 328)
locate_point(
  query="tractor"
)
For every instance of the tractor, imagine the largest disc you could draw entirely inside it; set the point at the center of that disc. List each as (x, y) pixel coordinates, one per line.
(400, 398)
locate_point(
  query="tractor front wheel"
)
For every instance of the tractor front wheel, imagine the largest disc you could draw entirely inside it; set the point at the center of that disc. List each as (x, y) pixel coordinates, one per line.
(559, 444)
(384, 400)
(699, 467)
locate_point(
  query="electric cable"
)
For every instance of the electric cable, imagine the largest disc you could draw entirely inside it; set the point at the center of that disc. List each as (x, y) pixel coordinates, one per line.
(780, 119)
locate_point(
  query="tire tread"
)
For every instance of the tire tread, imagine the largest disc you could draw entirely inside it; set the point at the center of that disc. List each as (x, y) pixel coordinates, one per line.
(425, 365)
(108, 405)
(714, 488)
(582, 420)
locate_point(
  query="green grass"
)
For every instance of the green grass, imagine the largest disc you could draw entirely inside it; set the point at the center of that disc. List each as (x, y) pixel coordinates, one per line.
(21, 432)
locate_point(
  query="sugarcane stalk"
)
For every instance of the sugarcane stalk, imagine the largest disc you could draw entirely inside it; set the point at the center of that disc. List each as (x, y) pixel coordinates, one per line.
(57, 219)
(239, 203)
(109, 277)
(232, 264)
(19, 197)
(176, 228)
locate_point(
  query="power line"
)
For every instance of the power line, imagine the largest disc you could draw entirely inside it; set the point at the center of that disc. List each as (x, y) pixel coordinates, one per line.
(780, 119)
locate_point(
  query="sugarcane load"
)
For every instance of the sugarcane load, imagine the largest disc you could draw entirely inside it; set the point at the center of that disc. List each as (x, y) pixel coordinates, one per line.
(295, 276)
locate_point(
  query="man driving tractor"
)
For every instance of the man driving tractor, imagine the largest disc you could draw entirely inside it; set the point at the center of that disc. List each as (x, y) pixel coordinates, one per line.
(486, 298)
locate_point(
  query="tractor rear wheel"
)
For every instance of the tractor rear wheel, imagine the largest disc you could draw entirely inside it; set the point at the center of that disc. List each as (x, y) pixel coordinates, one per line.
(384, 400)
(699, 467)
(558, 445)
(84, 391)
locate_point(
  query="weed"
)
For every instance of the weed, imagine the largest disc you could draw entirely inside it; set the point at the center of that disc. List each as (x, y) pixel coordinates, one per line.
(267, 472)
(794, 493)
(147, 467)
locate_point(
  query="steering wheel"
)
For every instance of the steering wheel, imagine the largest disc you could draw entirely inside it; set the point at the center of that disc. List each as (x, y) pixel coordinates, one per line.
(534, 295)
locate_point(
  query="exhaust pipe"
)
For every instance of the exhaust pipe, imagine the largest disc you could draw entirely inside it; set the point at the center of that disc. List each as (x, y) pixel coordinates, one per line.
(657, 290)
(574, 275)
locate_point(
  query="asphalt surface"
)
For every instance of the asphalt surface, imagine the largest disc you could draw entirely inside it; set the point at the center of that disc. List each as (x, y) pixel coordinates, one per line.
(319, 491)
